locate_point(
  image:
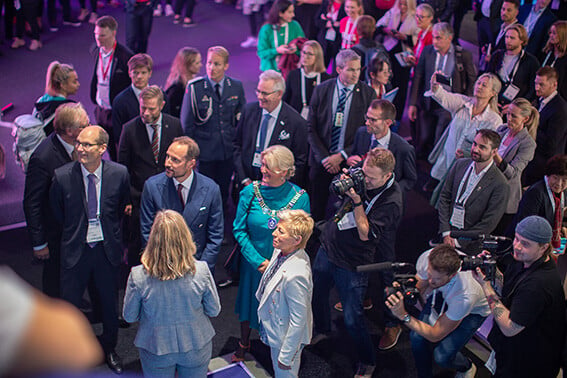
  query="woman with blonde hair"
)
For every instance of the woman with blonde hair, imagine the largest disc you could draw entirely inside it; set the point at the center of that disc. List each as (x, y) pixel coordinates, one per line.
(172, 296)
(185, 67)
(61, 81)
(555, 54)
(255, 221)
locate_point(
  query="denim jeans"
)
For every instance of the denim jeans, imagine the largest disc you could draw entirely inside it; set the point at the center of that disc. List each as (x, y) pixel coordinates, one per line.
(351, 287)
(447, 352)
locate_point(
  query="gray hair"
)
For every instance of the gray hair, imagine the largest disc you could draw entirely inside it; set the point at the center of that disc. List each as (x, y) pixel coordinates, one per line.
(276, 77)
(444, 28)
(428, 8)
(345, 56)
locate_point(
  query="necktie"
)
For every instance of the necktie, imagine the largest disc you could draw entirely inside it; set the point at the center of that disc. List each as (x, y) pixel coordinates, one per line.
(155, 143)
(374, 143)
(217, 90)
(263, 132)
(336, 133)
(180, 194)
(92, 204)
(541, 104)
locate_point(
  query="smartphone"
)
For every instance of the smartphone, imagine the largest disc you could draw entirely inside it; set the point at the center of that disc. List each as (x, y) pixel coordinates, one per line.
(442, 79)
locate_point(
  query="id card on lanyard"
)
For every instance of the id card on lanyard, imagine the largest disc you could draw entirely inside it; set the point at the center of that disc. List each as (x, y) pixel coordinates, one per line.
(305, 106)
(348, 34)
(511, 90)
(463, 193)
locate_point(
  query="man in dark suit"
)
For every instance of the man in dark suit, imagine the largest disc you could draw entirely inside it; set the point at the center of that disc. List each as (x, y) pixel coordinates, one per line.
(487, 16)
(89, 198)
(56, 150)
(380, 116)
(453, 63)
(110, 75)
(537, 19)
(509, 16)
(265, 123)
(142, 148)
(211, 109)
(474, 196)
(551, 138)
(191, 194)
(337, 111)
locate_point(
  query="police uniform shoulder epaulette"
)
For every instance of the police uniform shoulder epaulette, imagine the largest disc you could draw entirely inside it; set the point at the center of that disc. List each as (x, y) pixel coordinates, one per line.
(196, 80)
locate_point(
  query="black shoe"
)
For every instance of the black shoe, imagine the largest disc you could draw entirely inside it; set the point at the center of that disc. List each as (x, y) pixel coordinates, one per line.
(123, 323)
(114, 362)
(225, 283)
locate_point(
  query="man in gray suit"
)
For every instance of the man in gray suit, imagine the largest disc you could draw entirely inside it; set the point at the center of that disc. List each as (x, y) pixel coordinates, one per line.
(474, 196)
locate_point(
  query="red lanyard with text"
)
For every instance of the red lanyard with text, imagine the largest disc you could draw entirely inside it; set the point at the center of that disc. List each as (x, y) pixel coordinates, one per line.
(104, 70)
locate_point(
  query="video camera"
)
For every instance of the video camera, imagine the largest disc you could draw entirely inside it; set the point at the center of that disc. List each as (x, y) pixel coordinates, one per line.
(486, 264)
(355, 179)
(407, 281)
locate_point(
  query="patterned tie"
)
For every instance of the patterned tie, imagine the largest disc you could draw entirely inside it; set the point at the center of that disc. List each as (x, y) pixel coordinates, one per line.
(374, 143)
(217, 90)
(263, 132)
(155, 143)
(92, 203)
(180, 194)
(336, 133)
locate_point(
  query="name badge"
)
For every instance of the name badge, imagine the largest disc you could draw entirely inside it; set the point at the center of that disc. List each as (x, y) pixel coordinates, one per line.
(458, 217)
(347, 222)
(339, 119)
(491, 363)
(331, 34)
(257, 162)
(94, 231)
(511, 92)
(305, 112)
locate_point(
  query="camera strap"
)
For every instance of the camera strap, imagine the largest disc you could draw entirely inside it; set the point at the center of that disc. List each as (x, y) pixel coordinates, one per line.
(375, 198)
(525, 274)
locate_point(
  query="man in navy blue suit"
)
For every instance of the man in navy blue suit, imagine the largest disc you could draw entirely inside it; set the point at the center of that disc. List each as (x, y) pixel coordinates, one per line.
(379, 118)
(89, 198)
(192, 194)
(537, 19)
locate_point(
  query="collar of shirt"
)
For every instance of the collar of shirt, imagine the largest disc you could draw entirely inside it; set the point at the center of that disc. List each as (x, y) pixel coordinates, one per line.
(98, 183)
(274, 113)
(150, 129)
(384, 142)
(68, 147)
(340, 87)
(136, 92)
(544, 101)
(186, 185)
(97, 172)
(213, 83)
(481, 173)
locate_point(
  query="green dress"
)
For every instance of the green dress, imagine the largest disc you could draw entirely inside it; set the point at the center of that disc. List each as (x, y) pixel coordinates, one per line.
(266, 47)
(255, 239)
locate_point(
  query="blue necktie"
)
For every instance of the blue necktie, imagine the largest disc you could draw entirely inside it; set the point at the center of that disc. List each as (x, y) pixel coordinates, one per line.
(336, 133)
(263, 132)
(92, 203)
(374, 143)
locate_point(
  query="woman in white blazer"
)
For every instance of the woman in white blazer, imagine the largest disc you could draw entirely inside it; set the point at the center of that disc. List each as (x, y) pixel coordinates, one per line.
(172, 295)
(286, 320)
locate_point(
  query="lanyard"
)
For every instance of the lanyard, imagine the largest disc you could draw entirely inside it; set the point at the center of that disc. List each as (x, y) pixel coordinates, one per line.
(104, 70)
(420, 41)
(511, 78)
(350, 29)
(286, 36)
(303, 80)
(466, 188)
(388, 185)
(438, 58)
(548, 56)
(562, 202)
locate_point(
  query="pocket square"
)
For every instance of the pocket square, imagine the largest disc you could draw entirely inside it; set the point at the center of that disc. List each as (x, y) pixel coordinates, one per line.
(284, 135)
(203, 208)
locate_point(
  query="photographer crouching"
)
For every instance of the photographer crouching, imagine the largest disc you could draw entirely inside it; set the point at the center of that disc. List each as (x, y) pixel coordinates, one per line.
(528, 333)
(455, 307)
(365, 228)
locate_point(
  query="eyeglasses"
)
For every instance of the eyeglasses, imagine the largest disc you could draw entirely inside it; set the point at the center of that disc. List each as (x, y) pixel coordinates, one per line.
(85, 145)
(307, 53)
(264, 94)
(420, 17)
(373, 120)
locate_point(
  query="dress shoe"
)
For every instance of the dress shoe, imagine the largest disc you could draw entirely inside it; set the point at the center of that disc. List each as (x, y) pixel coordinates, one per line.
(35, 45)
(390, 337)
(169, 10)
(83, 14)
(114, 362)
(18, 42)
(92, 18)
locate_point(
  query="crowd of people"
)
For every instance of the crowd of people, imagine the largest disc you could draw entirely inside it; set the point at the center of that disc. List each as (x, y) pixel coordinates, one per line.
(317, 153)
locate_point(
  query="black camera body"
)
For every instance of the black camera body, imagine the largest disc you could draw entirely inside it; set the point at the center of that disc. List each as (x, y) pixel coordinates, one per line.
(355, 179)
(486, 265)
(407, 288)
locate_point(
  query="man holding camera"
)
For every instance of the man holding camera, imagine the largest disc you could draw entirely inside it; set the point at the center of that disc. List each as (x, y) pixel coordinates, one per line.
(365, 233)
(454, 309)
(528, 334)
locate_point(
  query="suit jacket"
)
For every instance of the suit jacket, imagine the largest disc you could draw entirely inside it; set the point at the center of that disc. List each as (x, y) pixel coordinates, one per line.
(538, 38)
(484, 207)
(404, 153)
(216, 136)
(285, 308)
(135, 151)
(495, 6)
(119, 78)
(524, 78)
(321, 118)
(463, 77)
(48, 156)
(173, 314)
(202, 212)
(290, 131)
(519, 153)
(292, 94)
(551, 138)
(69, 204)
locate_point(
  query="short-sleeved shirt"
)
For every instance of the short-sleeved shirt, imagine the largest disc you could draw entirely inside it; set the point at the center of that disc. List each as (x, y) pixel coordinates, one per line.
(463, 295)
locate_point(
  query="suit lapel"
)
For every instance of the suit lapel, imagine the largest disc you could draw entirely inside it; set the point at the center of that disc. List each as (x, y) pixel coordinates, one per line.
(482, 185)
(278, 126)
(170, 199)
(195, 199)
(79, 183)
(59, 149)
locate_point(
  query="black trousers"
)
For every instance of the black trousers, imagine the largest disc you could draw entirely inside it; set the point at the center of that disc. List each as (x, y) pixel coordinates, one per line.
(27, 13)
(52, 11)
(104, 119)
(139, 26)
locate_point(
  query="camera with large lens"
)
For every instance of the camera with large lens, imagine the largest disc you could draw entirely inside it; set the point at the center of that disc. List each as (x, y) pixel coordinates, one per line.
(407, 288)
(486, 264)
(354, 179)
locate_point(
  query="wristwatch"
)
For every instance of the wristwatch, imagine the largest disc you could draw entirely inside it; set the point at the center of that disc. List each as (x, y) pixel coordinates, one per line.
(406, 318)
(357, 204)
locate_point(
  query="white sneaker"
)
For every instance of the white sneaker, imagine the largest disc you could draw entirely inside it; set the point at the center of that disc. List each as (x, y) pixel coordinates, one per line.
(250, 42)
(467, 374)
(157, 11)
(83, 15)
(169, 10)
(93, 17)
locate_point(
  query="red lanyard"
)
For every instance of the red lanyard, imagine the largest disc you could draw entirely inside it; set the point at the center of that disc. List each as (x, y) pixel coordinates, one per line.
(104, 70)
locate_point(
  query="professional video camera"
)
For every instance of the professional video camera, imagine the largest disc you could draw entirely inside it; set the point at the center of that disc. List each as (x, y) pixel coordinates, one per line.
(355, 179)
(407, 281)
(486, 264)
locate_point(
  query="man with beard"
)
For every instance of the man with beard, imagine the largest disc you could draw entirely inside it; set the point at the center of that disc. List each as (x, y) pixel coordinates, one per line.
(474, 196)
(191, 194)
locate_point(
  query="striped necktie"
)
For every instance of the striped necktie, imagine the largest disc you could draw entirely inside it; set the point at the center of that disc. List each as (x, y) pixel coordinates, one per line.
(336, 133)
(155, 143)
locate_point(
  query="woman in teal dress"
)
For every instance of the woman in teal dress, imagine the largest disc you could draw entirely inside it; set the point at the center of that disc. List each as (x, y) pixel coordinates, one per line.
(256, 218)
(275, 36)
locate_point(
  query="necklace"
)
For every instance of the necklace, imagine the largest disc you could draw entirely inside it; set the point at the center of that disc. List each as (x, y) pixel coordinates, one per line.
(273, 220)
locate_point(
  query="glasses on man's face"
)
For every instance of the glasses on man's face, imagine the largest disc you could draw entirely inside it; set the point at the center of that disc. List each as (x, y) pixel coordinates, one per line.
(85, 145)
(373, 120)
(264, 94)
(421, 17)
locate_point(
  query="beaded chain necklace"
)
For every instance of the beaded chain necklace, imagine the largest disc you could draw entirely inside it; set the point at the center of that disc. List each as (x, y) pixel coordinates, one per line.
(273, 221)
